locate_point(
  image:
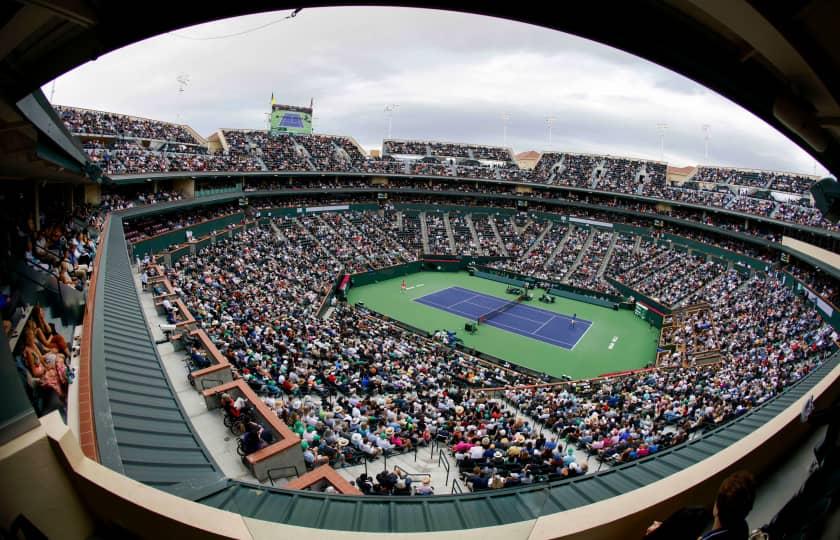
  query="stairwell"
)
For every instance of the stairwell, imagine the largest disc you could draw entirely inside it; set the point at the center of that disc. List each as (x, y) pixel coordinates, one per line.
(499, 241)
(593, 181)
(302, 149)
(538, 240)
(278, 231)
(516, 228)
(638, 244)
(424, 232)
(557, 169)
(607, 257)
(584, 249)
(449, 236)
(306, 232)
(637, 182)
(473, 232)
(559, 248)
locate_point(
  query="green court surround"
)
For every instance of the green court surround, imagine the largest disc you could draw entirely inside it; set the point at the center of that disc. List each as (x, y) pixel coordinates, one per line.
(592, 356)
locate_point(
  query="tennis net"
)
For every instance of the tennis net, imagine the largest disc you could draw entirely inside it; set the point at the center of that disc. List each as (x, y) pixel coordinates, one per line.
(501, 309)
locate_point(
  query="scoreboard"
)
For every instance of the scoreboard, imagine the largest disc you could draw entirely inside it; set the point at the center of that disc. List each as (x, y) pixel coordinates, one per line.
(291, 119)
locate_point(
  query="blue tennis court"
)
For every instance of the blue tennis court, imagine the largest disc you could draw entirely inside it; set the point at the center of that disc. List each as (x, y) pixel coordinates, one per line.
(521, 319)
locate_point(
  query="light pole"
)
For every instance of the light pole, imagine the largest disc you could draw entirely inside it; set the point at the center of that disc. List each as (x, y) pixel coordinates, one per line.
(390, 110)
(505, 119)
(706, 137)
(550, 121)
(662, 129)
(183, 80)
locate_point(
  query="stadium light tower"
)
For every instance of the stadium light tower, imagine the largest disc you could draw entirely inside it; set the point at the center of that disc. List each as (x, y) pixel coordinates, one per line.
(505, 120)
(706, 137)
(662, 129)
(389, 111)
(550, 121)
(183, 81)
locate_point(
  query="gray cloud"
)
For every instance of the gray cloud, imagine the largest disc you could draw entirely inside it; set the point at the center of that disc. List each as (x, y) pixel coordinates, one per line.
(452, 74)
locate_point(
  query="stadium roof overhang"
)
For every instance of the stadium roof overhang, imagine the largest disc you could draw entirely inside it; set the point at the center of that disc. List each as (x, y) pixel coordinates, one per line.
(777, 59)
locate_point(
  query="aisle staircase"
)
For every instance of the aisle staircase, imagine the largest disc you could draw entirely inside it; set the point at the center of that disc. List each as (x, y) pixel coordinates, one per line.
(607, 257)
(559, 248)
(583, 250)
(473, 232)
(538, 240)
(449, 235)
(424, 230)
(499, 241)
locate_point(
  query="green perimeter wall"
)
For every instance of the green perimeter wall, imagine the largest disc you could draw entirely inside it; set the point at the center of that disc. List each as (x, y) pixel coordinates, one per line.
(717, 252)
(162, 242)
(624, 289)
(382, 274)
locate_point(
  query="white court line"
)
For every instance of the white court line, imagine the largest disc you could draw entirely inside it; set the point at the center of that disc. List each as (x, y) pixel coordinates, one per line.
(526, 307)
(543, 325)
(541, 338)
(513, 329)
(582, 335)
(468, 316)
(509, 313)
(467, 300)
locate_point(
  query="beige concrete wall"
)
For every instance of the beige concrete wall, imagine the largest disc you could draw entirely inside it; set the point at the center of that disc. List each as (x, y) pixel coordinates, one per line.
(93, 194)
(184, 186)
(35, 484)
(828, 257)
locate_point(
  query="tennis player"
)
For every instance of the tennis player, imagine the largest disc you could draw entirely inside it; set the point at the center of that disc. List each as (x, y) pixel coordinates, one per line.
(574, 319)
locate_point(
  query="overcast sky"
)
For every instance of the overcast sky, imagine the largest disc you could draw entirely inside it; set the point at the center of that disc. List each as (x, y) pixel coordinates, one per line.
(452, 75)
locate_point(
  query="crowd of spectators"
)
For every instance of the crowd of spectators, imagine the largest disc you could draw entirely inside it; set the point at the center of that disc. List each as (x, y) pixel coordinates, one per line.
(113, 141)
(577, 170)
(407, 148)
(465, 245)
(437, 234)
(587, 275)
(566, 255)
(769, 339)
(88, 122)
(393, 391)
(819, 282)
(140, 229)
(533, 262)
(685, 284)
(803, 215)
(750, 205)
(122, 200)
(487, 239)
(619, 174)
(777, 181)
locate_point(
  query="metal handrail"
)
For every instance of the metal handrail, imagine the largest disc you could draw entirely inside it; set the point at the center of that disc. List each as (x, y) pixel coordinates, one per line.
(411, 474)
(444, 462)
(456, 488)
